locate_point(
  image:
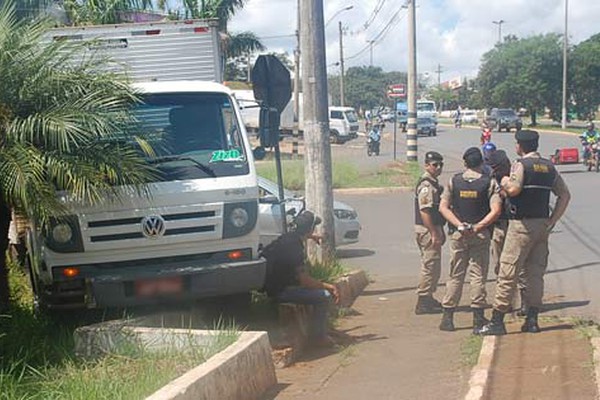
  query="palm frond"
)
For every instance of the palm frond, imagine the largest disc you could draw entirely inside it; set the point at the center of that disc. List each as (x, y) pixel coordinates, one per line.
(243, 43)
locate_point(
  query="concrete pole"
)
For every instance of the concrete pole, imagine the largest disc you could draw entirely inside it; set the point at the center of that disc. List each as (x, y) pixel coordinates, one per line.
(341, 65)
(563, 123)
(411, 135)
(295, 131)
(317, 153)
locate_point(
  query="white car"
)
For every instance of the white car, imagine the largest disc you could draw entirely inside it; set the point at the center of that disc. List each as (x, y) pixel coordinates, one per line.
(468, 117)
(347, 226)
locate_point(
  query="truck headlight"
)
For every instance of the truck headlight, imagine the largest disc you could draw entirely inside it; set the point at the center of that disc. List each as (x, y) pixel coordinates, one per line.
(345, 214)
(63, 235)
(239, 219)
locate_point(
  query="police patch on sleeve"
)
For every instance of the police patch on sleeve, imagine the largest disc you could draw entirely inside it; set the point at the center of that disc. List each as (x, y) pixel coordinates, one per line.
(424, 190)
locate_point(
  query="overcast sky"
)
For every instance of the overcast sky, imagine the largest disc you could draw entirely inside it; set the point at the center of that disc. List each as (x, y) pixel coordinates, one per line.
(451, 33)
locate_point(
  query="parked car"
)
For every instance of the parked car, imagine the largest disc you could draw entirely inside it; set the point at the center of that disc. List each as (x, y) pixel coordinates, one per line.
(504, 118)
(426, 126)
(468, 117)
(347, 225)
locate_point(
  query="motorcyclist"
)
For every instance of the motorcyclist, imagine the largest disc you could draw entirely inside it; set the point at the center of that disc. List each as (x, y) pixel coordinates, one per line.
(373, 139)
(457, 117)
(486, 134)
(375, 133)
(487, 149)
(589, 137)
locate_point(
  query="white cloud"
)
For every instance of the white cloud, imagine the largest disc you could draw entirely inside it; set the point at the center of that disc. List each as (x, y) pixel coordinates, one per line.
(452, 33)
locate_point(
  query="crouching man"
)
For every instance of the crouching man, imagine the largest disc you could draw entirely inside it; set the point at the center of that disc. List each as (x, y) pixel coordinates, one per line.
(288, 280)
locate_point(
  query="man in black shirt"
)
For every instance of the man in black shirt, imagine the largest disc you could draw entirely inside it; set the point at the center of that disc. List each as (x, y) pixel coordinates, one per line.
(288, 279)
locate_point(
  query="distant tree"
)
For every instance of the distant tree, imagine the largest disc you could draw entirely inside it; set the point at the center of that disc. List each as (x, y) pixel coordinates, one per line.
(366, 87)
(523, 73)
(585, 77)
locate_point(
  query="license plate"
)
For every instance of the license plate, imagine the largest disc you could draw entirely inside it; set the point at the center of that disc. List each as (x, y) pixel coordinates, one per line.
(157, 287)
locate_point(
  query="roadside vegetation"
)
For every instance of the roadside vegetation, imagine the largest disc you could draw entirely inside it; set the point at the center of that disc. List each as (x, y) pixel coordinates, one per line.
(37, 359)
(470, 349)
(346, 174)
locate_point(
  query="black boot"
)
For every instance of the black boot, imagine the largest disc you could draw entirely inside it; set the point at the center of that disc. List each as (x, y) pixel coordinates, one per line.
(496, 325)
(447, 323)
(427, 305)
(479, 320)
(523, 310)
(531, 321)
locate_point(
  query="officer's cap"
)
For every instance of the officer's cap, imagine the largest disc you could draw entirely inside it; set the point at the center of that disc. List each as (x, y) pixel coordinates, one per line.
(473, 157)
(526, 136)
(306, 222)
(433, 156)
(498, 158)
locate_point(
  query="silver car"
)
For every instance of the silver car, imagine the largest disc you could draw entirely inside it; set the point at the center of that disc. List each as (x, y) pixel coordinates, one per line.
(347, 226)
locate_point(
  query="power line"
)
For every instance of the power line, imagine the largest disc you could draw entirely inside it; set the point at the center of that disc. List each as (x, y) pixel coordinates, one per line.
(394, 20)
(374, 14)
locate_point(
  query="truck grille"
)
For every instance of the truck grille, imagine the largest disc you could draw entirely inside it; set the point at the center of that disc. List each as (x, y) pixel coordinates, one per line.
(176, 225)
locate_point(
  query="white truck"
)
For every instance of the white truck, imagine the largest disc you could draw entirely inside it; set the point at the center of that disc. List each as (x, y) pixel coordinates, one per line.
(196, 234)
(343, 121)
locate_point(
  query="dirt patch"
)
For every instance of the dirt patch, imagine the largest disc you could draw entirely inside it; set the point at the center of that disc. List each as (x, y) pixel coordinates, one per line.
(554, 364)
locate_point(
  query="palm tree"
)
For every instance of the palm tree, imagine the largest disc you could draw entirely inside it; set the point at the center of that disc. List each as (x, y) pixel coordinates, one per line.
(61, 127)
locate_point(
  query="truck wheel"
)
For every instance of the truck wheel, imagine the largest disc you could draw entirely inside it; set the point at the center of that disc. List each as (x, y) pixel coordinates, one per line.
(498, 128)
(334, 137)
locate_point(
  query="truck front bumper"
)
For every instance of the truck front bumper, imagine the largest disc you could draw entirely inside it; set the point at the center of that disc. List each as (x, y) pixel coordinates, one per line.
(120, 287)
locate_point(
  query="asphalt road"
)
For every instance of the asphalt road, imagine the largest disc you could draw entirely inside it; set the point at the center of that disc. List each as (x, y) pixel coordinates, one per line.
(388, 250)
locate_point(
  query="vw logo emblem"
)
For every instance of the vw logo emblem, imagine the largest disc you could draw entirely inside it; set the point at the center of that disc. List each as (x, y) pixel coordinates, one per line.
(153, 226)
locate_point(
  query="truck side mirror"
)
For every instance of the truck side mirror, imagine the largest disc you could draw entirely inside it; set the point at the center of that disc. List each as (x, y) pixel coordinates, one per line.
(259, 153)
(269, 127)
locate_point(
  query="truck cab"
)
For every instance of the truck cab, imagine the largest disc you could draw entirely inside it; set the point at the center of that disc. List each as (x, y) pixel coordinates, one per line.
(343, 124)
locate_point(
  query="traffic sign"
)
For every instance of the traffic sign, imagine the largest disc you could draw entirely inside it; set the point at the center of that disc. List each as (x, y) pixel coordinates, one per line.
(398, 90)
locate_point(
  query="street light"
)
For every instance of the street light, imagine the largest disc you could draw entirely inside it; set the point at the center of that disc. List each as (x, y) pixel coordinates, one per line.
(499, 23)
(338, 12)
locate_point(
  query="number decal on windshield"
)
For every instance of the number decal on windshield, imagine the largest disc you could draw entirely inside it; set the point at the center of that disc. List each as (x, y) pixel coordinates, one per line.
(227, 156)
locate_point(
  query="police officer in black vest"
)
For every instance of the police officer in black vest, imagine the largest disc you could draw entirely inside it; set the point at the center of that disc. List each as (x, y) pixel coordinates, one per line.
(528, 187)
(429, 233)
(470, 203)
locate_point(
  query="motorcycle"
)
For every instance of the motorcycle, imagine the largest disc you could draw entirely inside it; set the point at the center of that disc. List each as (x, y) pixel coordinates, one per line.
(373, 143)
(591, 158)
(486, 135)
(457, 123)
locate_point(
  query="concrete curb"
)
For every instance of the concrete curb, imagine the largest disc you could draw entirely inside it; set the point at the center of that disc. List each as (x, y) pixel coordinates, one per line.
(295, 318)
(248, 360)
(480, 375)
(596, 345)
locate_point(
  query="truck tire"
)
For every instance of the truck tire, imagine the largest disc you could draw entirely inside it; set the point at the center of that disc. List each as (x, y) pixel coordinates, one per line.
(334, 137)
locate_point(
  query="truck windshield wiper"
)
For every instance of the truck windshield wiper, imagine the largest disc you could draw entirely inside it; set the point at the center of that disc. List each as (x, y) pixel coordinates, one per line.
(159, 160)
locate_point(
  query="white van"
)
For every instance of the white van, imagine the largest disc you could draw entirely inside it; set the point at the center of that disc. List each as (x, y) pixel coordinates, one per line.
(343, 124)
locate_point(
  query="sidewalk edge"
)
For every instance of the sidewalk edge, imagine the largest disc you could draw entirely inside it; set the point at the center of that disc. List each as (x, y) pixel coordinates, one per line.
(596, 345)
(478, 383)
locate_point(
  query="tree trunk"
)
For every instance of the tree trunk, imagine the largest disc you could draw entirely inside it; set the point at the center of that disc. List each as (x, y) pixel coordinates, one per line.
(533, 118)
(4, 225)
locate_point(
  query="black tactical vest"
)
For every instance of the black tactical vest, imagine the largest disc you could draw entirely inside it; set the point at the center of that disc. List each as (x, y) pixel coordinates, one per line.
(470, 198)
(435, 210)
(534, 199)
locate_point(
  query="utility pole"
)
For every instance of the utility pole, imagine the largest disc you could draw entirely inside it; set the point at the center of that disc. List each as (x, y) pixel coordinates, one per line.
(341, 65)
(295, 131)
(411, 134)
(563, 123)
(371, 42)
(317, 159)
(499, 23)
(439, 71)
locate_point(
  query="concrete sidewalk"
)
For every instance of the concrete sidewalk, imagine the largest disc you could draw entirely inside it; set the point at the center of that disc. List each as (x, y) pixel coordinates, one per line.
(386, 352)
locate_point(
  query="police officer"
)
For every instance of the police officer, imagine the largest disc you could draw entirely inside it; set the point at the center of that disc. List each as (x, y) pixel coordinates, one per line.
(429, 232)
(532, 179)
(470, 203)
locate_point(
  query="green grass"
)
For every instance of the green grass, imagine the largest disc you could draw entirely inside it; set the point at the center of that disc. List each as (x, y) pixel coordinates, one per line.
(327, 272)
(37, 359)
(345, 174)
(470, 349)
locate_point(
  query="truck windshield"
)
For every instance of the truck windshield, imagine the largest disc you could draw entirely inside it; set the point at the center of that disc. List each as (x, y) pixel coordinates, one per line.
(506, 113)
(428, 106)
(194, 135)
(351, 116)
